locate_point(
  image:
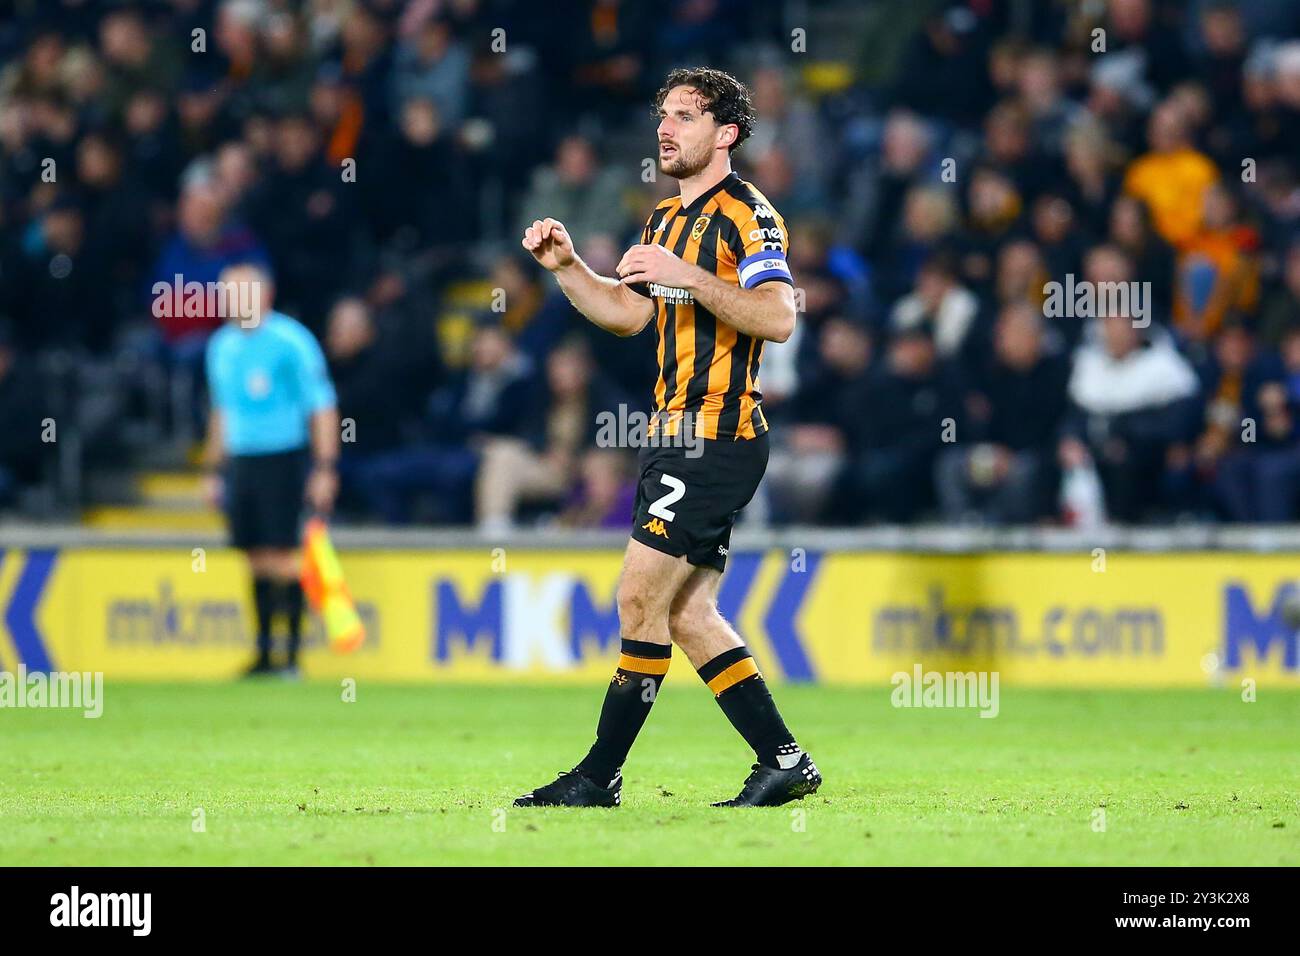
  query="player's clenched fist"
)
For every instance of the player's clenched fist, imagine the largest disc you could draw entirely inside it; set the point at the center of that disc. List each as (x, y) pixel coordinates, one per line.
(550, 244)
(650, 263)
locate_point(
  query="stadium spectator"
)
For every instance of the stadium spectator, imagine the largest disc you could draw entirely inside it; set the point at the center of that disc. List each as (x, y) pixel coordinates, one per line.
(928, 220)
(881, 184)
(577, 191)
(493, 397)
(1058, 233)
(1133, 396)
(1021, 275)
(1222, 54)
(1104, 266)
(1252, 428)
(943, 74)
(1009, 147)
(1129, 230)
(366, 55)
(1173, 177)
(941, 303)
(789, 120)
(1280, 312)
(117, 236)
(416, 184)
(1002, 470)
(1217, 276)
(303, 213)
(901, 415)
(833, 282)
(1141, 27)
(995, 211)
(154, 150)
(1091, 160)
(552, 453)
(367, 370)
(53, 278)
(1039, 91)
(205, 243)
(284, 71)
(535, 313)
(433, 65)
(819, 420)
(135, 60)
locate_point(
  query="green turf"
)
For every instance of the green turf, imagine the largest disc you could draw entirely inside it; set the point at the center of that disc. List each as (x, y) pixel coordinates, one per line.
(290, 774)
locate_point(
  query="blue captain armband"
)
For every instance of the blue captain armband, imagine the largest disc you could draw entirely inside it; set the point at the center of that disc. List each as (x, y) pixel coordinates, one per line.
(764, 267)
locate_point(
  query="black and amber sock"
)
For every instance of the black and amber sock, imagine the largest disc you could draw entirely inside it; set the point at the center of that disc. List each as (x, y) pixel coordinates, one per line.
(631, 694)
(264, 594)
(744, 698)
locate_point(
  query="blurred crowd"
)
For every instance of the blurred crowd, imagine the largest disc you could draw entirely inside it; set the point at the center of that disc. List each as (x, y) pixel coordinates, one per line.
(940, 166)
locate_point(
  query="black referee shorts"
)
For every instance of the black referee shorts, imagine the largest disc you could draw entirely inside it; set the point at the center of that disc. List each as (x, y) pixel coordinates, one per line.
(687, 506)
(264, 499)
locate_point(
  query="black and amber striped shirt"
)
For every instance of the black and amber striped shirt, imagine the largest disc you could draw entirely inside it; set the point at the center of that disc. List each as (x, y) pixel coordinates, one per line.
(707, 370)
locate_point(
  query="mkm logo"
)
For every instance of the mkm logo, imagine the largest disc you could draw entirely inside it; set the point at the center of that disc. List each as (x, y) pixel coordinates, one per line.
(1265, 632)
(558, 620)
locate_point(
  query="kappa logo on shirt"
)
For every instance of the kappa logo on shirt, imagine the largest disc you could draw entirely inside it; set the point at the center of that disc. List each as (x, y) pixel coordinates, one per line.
(655, 526)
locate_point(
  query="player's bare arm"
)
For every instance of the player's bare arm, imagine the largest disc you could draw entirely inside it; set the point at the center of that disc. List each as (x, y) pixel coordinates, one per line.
(605, 302)
(765, 312)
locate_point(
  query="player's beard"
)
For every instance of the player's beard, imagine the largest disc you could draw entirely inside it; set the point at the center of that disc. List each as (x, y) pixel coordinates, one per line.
(685, 165)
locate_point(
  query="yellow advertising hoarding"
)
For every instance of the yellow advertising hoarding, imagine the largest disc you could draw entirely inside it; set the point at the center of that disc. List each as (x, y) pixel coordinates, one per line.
(1039, 619)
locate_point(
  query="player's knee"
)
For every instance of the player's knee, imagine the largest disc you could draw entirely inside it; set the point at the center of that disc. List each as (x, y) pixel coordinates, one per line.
(690, 621)
(634, 609)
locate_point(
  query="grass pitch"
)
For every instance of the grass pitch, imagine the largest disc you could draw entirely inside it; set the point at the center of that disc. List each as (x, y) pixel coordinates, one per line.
(278, 773)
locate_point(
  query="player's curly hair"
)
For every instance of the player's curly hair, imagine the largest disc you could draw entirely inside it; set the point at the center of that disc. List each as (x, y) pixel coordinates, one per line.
(720, 93)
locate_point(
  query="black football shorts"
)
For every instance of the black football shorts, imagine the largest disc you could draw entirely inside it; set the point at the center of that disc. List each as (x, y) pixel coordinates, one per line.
(264, 499)
(687, 506)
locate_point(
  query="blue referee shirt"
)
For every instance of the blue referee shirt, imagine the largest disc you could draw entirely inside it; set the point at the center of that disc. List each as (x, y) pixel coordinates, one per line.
(266, 382)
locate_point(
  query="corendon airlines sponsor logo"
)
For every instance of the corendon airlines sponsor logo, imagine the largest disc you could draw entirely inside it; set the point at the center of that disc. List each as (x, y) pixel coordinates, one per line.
(671, 294)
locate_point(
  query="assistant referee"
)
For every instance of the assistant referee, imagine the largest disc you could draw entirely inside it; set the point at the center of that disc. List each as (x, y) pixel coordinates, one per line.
(273, 439)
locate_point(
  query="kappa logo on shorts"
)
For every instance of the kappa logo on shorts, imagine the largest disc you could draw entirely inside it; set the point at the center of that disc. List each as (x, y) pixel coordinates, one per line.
(655, 526)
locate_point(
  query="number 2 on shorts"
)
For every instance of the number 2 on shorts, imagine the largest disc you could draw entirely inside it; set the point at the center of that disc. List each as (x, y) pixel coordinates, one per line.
(659, 507)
